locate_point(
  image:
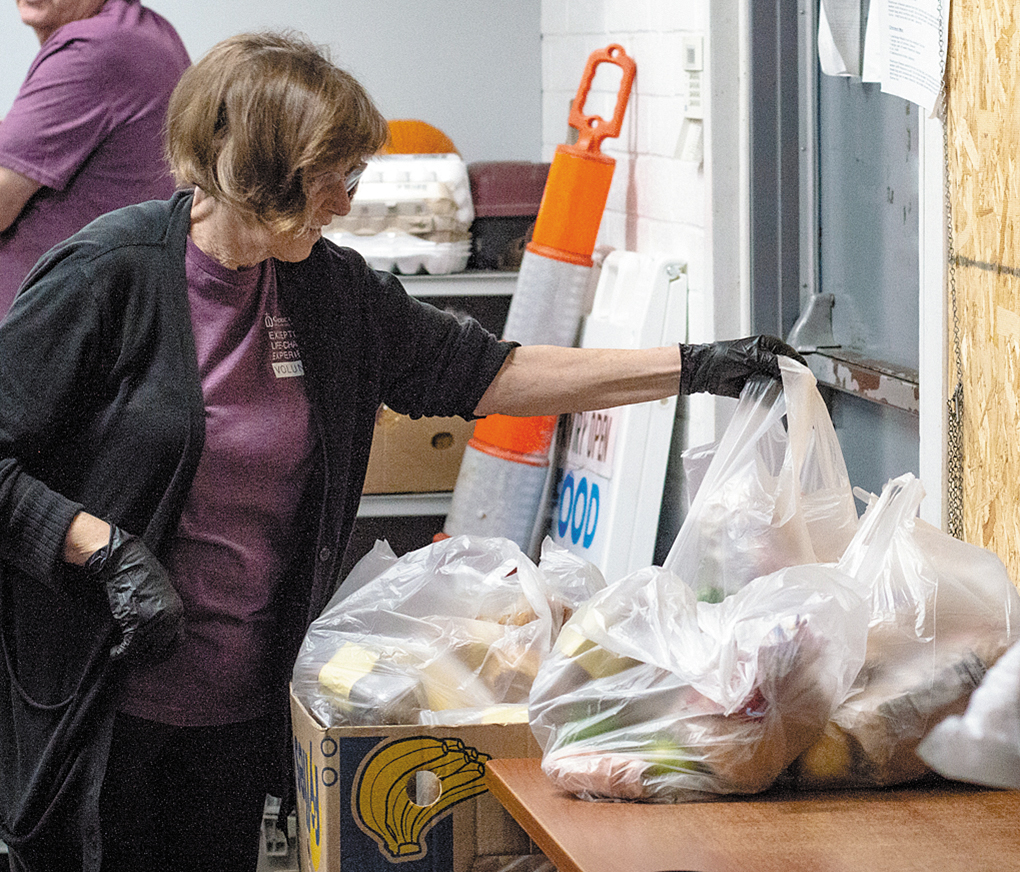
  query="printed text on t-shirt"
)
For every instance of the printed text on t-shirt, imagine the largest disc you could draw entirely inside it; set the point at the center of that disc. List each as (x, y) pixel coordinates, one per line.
(283, 347)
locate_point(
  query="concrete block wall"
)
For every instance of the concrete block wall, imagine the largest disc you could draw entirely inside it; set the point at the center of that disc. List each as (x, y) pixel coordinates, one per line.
(657, 202)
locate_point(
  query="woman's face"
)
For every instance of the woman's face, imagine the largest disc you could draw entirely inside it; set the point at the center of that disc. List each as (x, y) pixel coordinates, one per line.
(45, 16)
(329, 195)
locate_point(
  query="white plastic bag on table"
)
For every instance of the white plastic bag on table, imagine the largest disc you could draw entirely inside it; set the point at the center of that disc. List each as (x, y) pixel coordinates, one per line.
(983, 745)
(942, 612)
(450, 633)
(775, 494)
(650, 695)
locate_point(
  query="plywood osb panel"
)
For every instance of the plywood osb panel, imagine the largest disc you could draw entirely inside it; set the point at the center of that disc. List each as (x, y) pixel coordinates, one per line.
(984, 178)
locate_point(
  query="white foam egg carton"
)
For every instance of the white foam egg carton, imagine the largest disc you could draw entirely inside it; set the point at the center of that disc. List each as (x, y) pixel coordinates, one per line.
(402, 204)
(399, 252)
(419, 225)
(412, 186)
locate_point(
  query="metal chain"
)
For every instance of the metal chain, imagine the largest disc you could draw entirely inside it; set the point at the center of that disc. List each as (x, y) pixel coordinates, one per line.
(954, 430)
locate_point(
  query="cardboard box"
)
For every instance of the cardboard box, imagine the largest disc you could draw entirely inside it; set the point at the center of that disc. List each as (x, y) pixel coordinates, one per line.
(415, 455)
(402, 798)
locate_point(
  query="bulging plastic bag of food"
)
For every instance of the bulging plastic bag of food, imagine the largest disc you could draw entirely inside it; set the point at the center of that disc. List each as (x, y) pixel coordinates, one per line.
(942, 612)
(651, 695)
(451, 633)
(776, 492)
(982, 745)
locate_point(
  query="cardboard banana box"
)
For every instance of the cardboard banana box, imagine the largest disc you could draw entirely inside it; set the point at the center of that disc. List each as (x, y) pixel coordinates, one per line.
(415, 455)
(402, 798)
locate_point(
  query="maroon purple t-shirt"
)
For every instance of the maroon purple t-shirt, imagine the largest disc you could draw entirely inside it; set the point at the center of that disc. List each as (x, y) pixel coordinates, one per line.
(87, 124)
(229, 554)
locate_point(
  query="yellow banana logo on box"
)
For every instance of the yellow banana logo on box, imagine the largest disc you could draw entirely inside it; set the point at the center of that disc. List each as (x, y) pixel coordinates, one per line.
(383, 806)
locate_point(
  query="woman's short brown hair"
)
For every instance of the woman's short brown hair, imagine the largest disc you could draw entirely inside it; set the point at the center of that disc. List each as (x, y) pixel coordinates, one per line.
(260, 114)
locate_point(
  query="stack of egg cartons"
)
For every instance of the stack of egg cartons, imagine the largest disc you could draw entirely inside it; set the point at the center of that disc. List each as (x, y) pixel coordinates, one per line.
(411, 213)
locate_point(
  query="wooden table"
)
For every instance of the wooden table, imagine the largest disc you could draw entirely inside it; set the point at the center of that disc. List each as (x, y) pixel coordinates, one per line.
(944, 828)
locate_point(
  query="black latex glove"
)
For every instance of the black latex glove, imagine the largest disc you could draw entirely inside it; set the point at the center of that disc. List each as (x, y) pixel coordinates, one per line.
(722, 368)
(144, 604)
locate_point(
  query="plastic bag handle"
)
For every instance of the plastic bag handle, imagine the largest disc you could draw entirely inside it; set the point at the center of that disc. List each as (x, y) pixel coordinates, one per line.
(593, 128)
(895, 509)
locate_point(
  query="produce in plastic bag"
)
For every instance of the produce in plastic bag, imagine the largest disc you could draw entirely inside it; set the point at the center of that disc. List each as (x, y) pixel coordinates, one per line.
(772, 496)
(451, 633)
(651, 695)
(983, 745)
(942, 612)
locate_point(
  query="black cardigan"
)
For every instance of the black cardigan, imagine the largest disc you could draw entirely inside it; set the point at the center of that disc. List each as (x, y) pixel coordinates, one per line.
(101, 409)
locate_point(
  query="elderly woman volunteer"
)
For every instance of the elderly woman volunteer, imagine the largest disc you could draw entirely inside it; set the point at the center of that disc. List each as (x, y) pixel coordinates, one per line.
(187, 397)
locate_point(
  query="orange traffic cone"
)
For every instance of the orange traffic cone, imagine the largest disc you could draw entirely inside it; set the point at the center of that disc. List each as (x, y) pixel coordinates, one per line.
(506, 464)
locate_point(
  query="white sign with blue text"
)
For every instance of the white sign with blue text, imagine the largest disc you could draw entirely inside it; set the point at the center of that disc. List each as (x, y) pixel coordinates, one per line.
(613, 461)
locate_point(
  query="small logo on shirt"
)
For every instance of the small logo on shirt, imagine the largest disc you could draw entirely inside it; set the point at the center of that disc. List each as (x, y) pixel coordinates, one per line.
(283, 347)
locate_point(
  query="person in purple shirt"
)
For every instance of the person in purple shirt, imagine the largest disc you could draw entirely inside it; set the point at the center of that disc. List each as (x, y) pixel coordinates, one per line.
(188, 392)
(84, 134)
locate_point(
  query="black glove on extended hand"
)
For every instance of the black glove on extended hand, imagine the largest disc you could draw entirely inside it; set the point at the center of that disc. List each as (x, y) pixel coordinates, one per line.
(144, 604)
(722, 368)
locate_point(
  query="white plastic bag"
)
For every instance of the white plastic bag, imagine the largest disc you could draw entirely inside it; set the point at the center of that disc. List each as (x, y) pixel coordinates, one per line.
(651, 695)
(451, 633)
(983, 745)
(942, 612)
(775, 494)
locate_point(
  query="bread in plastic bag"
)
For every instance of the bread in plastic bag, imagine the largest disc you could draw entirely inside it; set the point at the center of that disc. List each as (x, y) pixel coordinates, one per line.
(982, 746)
(776, 492)
(942, 612)
(450, 633)
(651, 695)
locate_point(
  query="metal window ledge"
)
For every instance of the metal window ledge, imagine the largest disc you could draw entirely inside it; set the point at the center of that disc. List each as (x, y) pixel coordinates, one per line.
(474, 283)
(873, 380)
(404, 505)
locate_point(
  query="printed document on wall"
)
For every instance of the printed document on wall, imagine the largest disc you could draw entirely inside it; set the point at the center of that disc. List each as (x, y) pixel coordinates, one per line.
(904, 44)
(840, 28)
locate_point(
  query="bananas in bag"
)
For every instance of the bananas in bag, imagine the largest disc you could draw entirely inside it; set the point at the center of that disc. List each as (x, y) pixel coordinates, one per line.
(452, 633)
